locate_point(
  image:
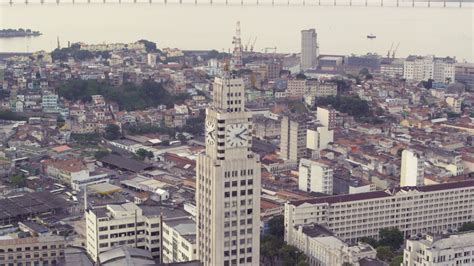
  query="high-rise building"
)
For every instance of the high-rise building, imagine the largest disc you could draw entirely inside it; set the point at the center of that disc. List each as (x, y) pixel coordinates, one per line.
(309, 49)
(315, 176)
(327, 116)
(464, 73)
(228, 181)
(293, 137)
(412, 169)
(318, 139)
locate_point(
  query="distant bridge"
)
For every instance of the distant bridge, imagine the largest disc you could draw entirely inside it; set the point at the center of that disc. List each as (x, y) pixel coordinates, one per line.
(371, 3)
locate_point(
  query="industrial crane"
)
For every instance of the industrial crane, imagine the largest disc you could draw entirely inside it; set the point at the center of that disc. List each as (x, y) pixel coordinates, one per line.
(253, 44)
(247, 44)
(395, 50)
(389, 50)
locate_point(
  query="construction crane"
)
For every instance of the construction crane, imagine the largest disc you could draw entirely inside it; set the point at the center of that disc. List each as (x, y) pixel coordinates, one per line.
(389, 50)
(253, 44)
(395, 50)
(248, 44)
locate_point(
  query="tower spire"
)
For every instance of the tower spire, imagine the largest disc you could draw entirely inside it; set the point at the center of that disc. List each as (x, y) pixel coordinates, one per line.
(236, 60)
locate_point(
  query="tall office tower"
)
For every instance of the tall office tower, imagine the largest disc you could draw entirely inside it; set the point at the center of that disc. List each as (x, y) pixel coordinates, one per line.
(228, 182)
(309, 49)
(293, 137)
(412, 172)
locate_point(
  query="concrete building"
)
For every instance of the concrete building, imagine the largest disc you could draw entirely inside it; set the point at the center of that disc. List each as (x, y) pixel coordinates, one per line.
(318, 139)
(296, 88)
(464, 73)
(315, 176)
(454, 104)
(43, 250)
(423, 68)
(455, 249)
(327, 116)
(412, 172)
(179, 240)
(323, 248)
(228, 182)
(413, 210)
(126, 224)
(309, 49)
(151, 59)
(293, 137)
(392, 67)
(49, 103)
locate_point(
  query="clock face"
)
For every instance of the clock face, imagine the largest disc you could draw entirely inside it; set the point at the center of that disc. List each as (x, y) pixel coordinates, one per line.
(236, 135)
(210, 133)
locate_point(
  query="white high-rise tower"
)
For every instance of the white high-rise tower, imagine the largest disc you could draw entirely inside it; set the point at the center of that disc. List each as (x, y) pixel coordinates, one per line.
(228, 182)
(412, 169)
(309, 49)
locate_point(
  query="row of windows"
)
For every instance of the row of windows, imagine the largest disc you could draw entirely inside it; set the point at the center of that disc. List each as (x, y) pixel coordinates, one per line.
(19, 249)
(234, 203)
(243, 192)
(236, 172)
(122, 226)
(234, 261)
(242, 183)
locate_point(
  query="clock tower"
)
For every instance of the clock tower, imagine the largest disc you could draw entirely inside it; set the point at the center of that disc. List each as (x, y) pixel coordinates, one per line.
(228, 181)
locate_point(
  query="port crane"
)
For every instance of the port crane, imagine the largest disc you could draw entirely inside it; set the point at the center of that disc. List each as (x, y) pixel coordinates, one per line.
(253, 44)
(389, 50)
(247, 45)
(395, 50)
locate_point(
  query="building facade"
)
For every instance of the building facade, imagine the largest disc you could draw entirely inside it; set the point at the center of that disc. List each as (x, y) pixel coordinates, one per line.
(228, 182)
(309, 49)
(455, 249)
(42, 250)
(412, 172)
(423, 68)
(315, 176)
(327, 117)
(179, 240)
(413, 210)
(293, 137)
(126, 224)
(464, 73)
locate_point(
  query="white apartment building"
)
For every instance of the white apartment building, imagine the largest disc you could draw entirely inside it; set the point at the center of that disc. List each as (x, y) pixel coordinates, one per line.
(309, 49)
(293, 137)
(412, 172)
(179, 240)
(455, 249)
(327, 117)
(126, 224)
(419, 68)
(318, 139)
(413, 210)
(315, 176)
(323, 248)
(228, 182)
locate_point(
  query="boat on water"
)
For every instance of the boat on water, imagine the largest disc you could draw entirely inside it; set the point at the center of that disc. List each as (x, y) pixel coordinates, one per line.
(10, 33)
(371, 36)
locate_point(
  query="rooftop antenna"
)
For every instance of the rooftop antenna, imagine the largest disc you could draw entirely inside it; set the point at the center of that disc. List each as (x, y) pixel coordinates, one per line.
(236, 60)
(59, 45)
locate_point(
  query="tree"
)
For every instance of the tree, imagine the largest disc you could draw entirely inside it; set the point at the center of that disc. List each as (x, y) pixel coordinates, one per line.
(467, 227)
(301, 76)
(143, 154)
(290, 255)
(112, 132)
(276, 226)
(384, 253)
(370, 241)
(397, 261)
(150, 47)
(391, 237)
(18, 180)
(269, 247)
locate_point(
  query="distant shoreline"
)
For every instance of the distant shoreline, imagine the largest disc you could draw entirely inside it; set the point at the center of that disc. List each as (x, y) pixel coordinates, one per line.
(15, 33)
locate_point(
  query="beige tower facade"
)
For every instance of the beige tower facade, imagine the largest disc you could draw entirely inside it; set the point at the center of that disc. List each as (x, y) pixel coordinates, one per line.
(228, 182)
